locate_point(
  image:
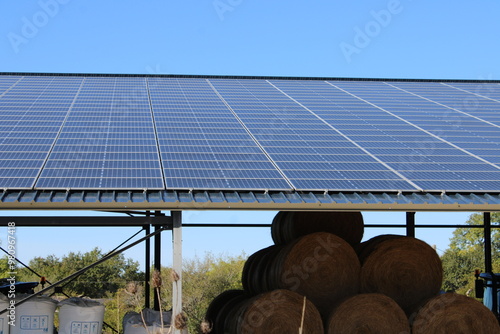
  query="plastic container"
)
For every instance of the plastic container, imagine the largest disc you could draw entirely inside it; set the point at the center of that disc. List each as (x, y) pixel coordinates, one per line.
(80, 316)
(133, 323)
(35, 316)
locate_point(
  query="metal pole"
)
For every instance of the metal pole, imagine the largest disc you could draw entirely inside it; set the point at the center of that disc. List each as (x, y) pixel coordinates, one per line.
(487, 262)
(487, 242)
(177, 268)
(410, 224)
(147, 271)
(157, 261)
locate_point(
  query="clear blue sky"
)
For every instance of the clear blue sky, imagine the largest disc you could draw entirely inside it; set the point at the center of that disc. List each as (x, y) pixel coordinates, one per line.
(383, 39)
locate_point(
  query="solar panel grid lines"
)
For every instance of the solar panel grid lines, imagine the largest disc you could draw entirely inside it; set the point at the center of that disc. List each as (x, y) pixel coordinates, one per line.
(463, 128)
(456, 108)
(258, 145)
(28, 126)
(110, 147)
(430, 150)
(197, 145)
(398, 183)
(476, 92)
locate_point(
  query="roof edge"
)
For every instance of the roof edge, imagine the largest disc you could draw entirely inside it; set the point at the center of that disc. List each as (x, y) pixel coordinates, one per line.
(194, 76)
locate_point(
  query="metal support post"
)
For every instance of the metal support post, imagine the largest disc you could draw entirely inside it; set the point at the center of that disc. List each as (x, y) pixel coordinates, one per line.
(157, 263)
(177, 269)
(487, 262)
(410, 224)
(147, 271)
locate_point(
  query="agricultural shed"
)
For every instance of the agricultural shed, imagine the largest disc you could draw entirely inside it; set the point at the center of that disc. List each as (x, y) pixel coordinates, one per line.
(150, 143)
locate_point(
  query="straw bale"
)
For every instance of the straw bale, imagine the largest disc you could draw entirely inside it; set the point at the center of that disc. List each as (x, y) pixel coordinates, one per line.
(290, 225)
(321, 266)
(406, 269)
(217, 311)
(451, 313)
(368, 313)
(278, 311)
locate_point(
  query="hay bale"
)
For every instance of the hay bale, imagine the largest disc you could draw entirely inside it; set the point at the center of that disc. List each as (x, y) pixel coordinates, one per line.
(406, 269)
(290, 225)
(368, 313)
(249, 274)
(278, 311)
(219, 308)
(365, 248)
(451, 313)
(321, 266)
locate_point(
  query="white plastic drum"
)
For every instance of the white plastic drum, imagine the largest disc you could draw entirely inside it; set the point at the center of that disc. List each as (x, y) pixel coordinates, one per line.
(134, 323)
(36, 316)
(80, 316)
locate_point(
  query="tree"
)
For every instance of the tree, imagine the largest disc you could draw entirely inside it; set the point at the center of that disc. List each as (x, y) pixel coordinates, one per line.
(466, 254)
(205, 279)
(97, 282)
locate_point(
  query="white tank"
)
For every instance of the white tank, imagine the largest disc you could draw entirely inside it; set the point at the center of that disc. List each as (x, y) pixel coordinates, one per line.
(80, 316)
(36, 316)
(133, 323)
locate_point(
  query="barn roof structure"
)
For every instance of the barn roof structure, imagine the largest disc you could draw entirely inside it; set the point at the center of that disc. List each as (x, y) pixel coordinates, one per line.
(177, 142)
(83, 141)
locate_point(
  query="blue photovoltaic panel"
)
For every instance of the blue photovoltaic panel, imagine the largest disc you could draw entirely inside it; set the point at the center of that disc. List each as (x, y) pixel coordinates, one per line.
(108, 140)
(418, 135)
(126, 132)
(202, 144)
(284, 128)
(32, 112)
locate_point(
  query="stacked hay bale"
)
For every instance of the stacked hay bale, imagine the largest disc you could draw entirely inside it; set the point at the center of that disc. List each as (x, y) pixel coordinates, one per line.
(313, 257)
(453, 313)
(368, 313)
(349, 287)
(404, 268)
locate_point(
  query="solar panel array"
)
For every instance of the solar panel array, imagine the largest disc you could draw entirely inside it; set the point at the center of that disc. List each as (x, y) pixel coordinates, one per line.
(127, 132)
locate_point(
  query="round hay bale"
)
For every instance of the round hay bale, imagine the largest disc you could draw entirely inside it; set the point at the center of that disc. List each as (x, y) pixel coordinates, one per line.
(406, 269)
(451, 313)
(278, 311)
(372, 313)
(365, 248)
(249, 275)
(217, 304)
(226, 310)
(321, 266)
(290, 225)
(276, 227)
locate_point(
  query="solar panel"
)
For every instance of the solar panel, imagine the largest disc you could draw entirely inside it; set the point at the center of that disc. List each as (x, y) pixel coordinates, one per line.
(27, 131)
(126, 132)
(202, 144)
(108, 140)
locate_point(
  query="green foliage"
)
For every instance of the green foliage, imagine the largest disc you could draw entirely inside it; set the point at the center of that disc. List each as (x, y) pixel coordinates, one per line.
(97, 282)
(466, 254)
(4, 267)
(203, 280)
